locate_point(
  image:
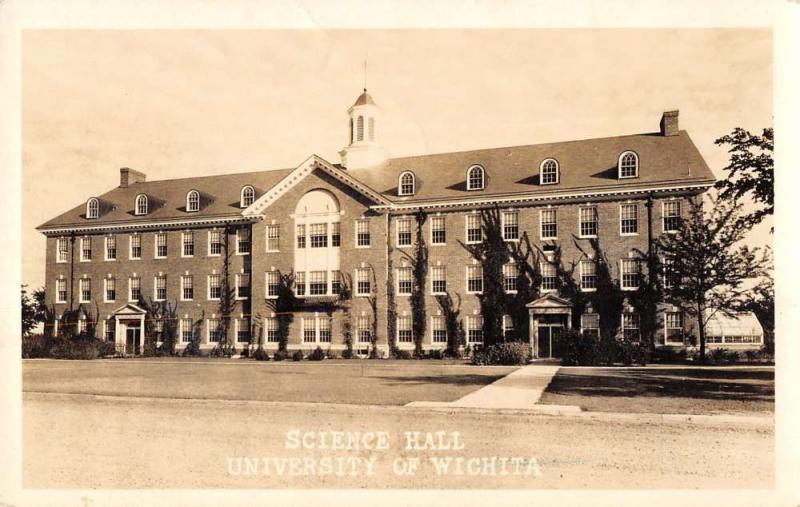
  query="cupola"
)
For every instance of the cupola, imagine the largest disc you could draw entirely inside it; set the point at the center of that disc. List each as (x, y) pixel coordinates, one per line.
(363, 150)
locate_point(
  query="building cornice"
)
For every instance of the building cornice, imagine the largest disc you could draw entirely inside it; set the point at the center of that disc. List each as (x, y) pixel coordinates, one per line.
(150, 225)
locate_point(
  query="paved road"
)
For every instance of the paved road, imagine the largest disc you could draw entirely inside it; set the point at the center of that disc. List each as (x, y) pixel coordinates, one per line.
(114, 442)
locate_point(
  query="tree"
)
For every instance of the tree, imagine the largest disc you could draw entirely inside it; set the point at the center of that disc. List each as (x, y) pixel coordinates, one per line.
(34, 309)
(762, 304)
(750, 172)
(707, 264)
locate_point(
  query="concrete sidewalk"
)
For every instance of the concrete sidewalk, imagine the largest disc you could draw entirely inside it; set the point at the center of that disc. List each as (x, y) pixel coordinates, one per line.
(521, 389)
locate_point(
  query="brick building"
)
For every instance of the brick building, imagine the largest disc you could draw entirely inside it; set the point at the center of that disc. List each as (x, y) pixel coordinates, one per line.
(327, 224)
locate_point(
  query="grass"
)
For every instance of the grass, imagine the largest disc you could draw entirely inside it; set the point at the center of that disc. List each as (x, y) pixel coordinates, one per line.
(360, 382)
(677, 390)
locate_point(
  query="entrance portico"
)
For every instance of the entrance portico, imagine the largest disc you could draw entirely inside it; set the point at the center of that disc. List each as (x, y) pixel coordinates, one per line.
(549, 316)
(129, 329)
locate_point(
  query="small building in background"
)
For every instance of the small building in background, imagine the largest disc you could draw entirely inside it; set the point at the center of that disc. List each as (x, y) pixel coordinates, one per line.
(740, 331)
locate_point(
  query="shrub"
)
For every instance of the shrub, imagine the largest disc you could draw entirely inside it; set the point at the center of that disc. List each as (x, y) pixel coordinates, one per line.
(280, 355)
(510, 353)
(317, 355)
(436, 354)
(581, 350)
(403, 354)
(34, 346)
(261, 355)
(77, 349)
(718, 355)
(348, 353)
(297, 355)
(732, 357)
(752, 355)
(668, 355)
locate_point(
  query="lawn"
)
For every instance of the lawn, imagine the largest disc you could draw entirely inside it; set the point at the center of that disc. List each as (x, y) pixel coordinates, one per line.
(665, 390)
(361, 382)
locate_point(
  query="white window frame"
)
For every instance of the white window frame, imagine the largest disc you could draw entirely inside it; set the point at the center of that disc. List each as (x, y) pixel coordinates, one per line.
(183, 287)
(636, 164)
(192, 201)
(437, 318)
(238, 321)
(515, 266)
(398, 220)
(547, 264)
(59, 241)
(92, 208)
(473, 323)
(212, 231)
(622, 273)
(155, 244)
(270, 327)
(310, 283)
(184, 243)
(667, 328)
(141, 206)
(480, 168)
(130, 288)
(130, 246)
(587, 328)
(581, 264)
(636, 319)
(542, 223)
(363, 323)
(467, 229)
(364, 221)
(155, 287)
(508, 326)
(238, 240)
(443, 229)
(105, 248)
(410, 270)
(243, 198)
(596, 221)
(238, 278)
(541, 172)
(182, 331)
(443, 268)
(664, 215)
(635, 207)
(91, 249)
(268, 283)
(277, 238)
(503, 215)
(400, 191)
(81, 283)
(208, 330)
(357, 278)
(467, 278)
(208, 286)
(105, 290)
(60, 281)
(410, 329)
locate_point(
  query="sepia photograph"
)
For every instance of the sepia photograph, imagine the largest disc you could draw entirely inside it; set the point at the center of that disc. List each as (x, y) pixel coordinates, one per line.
(396, 259)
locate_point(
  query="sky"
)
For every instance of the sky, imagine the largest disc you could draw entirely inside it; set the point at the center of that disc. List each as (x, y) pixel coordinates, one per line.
(174, 103)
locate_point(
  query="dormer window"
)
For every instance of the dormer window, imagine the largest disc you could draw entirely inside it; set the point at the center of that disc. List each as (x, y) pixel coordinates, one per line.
(248, 196)
(628, 165)
(406, 184)
(92, 208)
(476, 179)
(548, 172)
(140, 207)
(193, 201)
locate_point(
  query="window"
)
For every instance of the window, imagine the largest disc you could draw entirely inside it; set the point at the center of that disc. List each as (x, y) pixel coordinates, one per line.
(671, 277)
(336, 235)
(214, 330)
(587, 226)
(548, 224)
(406, 184)
(82, 324)
(671, 211)
(273, 284)
(300, 283)
(475, 178)
(242, 285)
(61, 291)
(86, 290)
(161, 245)
(242, 241)
(548, 172)
(111, 248)
(273, 238)
(363, 285)
(310, 323)
(362, 233)
(193, 201)
(160, 288)
(186, 330)
(214, 288)
(271, 329)
(404, 282)
(508, 328)
(438, 329)
(510, 221)
(372, 129)
(247, 197)
(301, 236)
(630, 326)
(135, 246)
(438, 280)
(628, 165)
(319, 235)
(628, 219)
(187, 288)
(590, 324)
(474, 278)
(92, 208)
(630, 274)
(324, 330)
(336, 282)
(673, 327)
(360, 128)
(140, 205)
(404, 334)
(134, 288)
(109, 331)
(510, 275)
(549, 276)
(474, 231)
(438, 234)
(318, 283)
(474, 329)
(243, 330)
(363, 329)
(588, 275)
(403, 232)
(214, 242)
(62, 249)
(188, 244)
(86, 249)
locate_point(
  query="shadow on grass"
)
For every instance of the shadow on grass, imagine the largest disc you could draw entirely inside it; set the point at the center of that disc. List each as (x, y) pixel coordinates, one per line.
(738, 385)
(441, 379)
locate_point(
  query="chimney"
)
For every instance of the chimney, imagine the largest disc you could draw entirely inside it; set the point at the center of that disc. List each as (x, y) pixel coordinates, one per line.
(669, 123)
(129, 177)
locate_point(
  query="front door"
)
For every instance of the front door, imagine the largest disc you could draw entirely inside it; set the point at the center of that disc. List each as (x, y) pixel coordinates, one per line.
(132, 339)
(547, 335)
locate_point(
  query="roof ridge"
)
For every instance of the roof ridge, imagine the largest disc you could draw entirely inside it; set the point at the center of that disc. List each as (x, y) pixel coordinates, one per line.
(221, 175)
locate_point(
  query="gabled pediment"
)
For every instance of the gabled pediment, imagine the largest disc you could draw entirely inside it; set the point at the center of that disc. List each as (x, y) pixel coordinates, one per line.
(129, 309)
(550, 301)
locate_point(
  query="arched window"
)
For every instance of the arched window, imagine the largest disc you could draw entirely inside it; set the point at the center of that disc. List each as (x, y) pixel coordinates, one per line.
(548, 172)
(628, 165)
(351, 131)
(92, 208)
(406, 184)
(371, 129)
(141, 205)
(476, 179)
(193, 201)
(360, 128)
(248, 196)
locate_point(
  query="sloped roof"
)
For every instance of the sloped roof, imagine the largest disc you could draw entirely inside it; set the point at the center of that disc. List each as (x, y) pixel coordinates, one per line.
(364, 99)
(219, 197)
(589, 164)
(741, 324)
